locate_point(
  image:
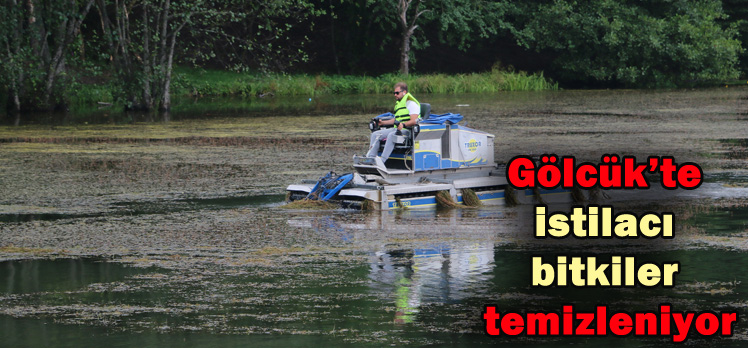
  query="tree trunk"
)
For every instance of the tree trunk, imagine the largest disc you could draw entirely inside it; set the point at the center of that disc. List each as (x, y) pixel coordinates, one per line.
(16, 103)
(16, 81)
(332, 39)
(405, 54)
(166, 101)
(106, 27)
(137, 88)
(53, 66)
(69, 29)
(408, 30)
(16, 111)
(148, 72)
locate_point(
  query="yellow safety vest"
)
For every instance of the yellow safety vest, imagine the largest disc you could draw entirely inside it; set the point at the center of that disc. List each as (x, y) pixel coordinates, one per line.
(401, 111)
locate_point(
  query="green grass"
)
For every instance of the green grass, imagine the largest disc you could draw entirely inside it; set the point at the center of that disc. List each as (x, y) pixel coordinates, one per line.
(194, 82)
(198, 82)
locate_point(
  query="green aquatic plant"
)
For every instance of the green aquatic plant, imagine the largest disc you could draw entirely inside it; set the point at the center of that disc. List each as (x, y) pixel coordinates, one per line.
(368, 205)
(577, 195)
(510, 196)
(310, 204)
(538, 196)
(470, 199)
(444, 200)
(400, 203)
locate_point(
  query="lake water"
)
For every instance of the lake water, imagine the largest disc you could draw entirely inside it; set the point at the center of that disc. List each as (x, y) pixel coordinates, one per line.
(239, 270)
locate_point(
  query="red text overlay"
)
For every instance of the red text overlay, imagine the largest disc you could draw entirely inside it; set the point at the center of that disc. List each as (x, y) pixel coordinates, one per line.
(678, 325)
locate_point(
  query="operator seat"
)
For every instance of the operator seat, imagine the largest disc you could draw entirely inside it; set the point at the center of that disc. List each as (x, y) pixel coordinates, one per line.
(406, 142)
(425, 111)
(403, 144)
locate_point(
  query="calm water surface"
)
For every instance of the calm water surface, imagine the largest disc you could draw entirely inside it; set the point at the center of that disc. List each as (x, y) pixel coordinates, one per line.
(376, 287)
(412, 278)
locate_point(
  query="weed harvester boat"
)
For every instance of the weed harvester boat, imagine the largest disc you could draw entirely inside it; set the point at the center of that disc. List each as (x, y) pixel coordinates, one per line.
(440, 161)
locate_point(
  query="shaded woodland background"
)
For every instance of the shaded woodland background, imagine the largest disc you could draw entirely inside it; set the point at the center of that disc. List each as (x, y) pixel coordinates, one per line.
(50, 49)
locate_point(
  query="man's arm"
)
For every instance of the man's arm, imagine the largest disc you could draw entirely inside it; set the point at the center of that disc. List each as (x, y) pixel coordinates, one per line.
(386, 122)
(414, 110)
(409, 123)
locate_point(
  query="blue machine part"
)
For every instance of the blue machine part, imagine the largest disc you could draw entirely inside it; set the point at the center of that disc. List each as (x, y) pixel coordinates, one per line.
(448, 118)
(328, 186)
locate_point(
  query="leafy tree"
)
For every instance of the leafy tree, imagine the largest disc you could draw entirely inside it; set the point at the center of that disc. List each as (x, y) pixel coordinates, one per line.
(633, 43)
(253, 36)
(458, 22)
(35, 41)
(354, 37)
(737, 12)
(144, 37)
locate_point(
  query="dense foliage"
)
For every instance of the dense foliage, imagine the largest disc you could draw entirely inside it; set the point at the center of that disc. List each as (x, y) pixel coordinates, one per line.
(36, 39)
(584, 43)
(49, 48)
(658, 43)
(143, 37)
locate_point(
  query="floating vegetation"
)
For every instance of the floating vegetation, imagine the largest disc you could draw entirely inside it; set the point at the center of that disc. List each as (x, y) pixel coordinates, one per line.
(510, 196)
(597, 195)
(273, 250)
(537, 196)
(368, 205)
(444, 200)
(196, 140)
(577, 195)
(161, 198)
(10, 249)
(310, 204)
(470, 199)
(709, 288)
(400, 203)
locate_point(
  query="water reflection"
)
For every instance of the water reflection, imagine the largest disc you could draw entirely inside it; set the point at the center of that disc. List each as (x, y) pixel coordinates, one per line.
(723, 221)
(30, 276)
(208, 108)
(377, 231)
(610, 103)
(436, 274)
(410, 278)
(420, 257)
(243, 273)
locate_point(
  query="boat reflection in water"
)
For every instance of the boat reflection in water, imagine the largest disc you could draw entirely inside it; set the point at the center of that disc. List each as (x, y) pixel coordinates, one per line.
(440, 274)
(421, 257)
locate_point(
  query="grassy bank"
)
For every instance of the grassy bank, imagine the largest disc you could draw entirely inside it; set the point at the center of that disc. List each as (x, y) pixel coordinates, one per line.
(190, 82)
(195, 82)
